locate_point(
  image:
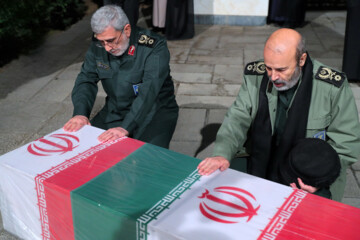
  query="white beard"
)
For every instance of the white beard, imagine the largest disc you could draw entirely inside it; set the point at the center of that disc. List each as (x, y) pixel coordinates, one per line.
(121, 49)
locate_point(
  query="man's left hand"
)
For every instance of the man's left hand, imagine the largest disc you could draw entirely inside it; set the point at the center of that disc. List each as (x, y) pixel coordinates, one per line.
(112, 134)
(304, 187)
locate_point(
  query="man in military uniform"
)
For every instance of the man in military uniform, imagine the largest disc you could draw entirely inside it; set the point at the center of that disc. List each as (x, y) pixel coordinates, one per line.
(133, 67)
(285, 98)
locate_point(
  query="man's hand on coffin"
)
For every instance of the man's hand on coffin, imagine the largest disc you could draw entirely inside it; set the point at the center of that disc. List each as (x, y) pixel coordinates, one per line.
(112, 134)
(209, 165)
(304, 187)
(75, 123)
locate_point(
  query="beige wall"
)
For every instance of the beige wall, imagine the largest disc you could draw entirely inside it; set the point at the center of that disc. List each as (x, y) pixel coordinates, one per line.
(231, 7)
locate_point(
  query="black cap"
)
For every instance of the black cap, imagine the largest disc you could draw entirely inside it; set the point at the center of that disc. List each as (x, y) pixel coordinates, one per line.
(314, 161)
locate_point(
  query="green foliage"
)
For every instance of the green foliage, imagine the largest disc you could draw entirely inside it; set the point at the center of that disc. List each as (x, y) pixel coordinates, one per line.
(24, 23)
(66, 12)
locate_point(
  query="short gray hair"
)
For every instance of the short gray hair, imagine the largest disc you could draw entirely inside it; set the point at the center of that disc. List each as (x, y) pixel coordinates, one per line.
(109, 15)
(300, 49)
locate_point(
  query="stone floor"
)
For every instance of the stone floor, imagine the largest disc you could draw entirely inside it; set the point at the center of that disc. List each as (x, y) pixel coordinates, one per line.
(207, 72)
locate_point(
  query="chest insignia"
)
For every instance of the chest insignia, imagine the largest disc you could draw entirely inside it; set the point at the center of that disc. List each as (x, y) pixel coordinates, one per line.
(146, 40)
(331, 76)
(255, 68)
(136, 89)
(102, 65)
(131, 50)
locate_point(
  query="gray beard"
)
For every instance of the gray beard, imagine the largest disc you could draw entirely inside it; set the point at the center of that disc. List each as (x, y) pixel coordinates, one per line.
(122, 48)
(292, 82)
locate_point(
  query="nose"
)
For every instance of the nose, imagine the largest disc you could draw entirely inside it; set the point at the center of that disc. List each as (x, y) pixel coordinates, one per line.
(273, 75)
(107, 47)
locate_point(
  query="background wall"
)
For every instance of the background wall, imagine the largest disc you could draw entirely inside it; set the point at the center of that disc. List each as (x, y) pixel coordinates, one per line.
(231, 12)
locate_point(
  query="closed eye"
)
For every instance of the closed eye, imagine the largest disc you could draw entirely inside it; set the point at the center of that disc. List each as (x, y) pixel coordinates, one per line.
(276, 69)
(108, 41)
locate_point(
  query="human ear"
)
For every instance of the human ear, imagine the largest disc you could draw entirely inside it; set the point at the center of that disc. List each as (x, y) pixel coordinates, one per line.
(302, 59)
(127, 30)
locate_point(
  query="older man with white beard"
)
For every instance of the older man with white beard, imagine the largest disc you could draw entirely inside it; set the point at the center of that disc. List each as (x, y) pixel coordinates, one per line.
(133, 67)
(285, 98)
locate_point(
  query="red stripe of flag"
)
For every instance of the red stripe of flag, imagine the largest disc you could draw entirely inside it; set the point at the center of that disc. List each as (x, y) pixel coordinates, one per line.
(64, 178)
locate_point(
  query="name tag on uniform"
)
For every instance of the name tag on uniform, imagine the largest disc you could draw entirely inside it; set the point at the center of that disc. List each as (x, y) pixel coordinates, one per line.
(321, 135)
(136, 89)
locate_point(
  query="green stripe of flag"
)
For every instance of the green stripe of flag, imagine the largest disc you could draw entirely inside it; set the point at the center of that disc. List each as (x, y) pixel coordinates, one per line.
(108, 206)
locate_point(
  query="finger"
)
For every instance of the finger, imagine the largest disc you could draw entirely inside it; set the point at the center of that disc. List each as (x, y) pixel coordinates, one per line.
(102, 137)
(66, 127)
(210, 171)
(224, 166)
(202, 163)
(205, 169)
(301, 184)
(202, 170)
(107, 136)
(78, 126)
(70, 127)
(307, 188)
(212, 167)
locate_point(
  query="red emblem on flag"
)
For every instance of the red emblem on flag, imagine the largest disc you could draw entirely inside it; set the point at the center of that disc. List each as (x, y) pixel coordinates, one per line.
(55, 144)
(228, 204)
(131, 50)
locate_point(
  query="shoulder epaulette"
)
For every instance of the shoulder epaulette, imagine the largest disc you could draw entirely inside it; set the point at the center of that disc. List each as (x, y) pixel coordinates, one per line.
(330, 75)
(255, 68)
(146, 40)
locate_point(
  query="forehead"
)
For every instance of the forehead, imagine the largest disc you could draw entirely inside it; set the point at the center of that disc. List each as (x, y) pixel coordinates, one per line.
(108, 33)
(275, 59)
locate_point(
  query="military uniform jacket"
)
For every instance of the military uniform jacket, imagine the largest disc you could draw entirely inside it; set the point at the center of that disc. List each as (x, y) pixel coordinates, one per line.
(333, 116)
(137, 84)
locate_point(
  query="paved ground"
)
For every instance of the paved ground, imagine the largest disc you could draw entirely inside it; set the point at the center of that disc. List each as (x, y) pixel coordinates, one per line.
(207, 71)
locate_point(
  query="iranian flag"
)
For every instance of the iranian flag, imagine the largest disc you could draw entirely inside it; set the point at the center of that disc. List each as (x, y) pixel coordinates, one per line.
(70, 186)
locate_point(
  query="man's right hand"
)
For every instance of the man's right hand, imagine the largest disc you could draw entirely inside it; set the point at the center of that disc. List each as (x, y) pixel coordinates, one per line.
(75, 123)
(209, 165)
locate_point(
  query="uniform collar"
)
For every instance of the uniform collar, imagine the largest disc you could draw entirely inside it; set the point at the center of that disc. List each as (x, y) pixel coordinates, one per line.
(132, 49)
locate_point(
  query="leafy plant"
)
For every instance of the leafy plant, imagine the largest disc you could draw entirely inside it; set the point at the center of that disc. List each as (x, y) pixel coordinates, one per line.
(24, 23)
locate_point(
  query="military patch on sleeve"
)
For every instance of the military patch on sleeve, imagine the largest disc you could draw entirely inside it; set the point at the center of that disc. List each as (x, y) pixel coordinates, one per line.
(255, 68)
(102, 65)
(321, 135)
(146, 40)
(330, 75)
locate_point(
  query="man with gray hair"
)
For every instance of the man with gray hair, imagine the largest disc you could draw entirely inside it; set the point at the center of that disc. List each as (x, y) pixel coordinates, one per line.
(133, 67)
(285, 98)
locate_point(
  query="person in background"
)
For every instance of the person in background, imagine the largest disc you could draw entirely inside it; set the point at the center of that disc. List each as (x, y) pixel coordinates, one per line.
(289, 14)
(132, 65)
(159, 15)
(179, 23)
(284, 98)
(130, 7)
(174, 18)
